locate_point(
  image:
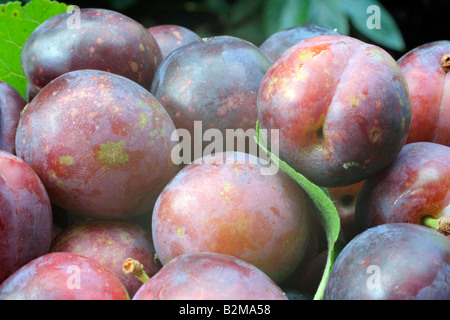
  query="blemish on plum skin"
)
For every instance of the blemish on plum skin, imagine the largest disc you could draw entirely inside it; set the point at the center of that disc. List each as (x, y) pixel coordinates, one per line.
(112, 153)
(143, 120)
(275, 211)
(66, 160)
(180, 232)
(134, 66)
(354, 101)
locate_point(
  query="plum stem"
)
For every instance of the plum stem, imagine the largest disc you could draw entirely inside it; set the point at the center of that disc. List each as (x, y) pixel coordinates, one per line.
(444, 224)
(445, 63)
(135, 268)
(441, 224)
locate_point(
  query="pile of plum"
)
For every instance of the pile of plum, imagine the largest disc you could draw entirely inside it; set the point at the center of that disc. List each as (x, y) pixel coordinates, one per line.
(118, 179)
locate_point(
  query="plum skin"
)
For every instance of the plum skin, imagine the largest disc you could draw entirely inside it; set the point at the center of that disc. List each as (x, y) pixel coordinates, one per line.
(110, 242)
(48, 277)
(413, 262)
(344, 199)
(209, 276)
(170, 37)
(214, 81)
(341, 106)
(415, 185)
(11, 104)
(99, 142)
(107, 40)
(279, 42)
(232, 208)
(25, 215)
(430, 103)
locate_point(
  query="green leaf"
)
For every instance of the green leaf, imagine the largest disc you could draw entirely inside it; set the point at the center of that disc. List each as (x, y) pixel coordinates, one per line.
(17, 22)
(244, 10)
(282, 14)
(364, 16)
(327, 212)
(328, 13)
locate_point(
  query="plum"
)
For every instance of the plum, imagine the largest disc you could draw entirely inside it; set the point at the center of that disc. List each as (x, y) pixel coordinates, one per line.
(308, 281)
(110, 243)
(414, 186)
(394, 261)
(275, 45)
(100, 143)
(228, 204)
(215, 82)
(25, 215)
(344, 199)
(341, 107)
(209, 276)
(106, 40)
(170, 37)
(429, 63)
(11, 104)
(63, 276)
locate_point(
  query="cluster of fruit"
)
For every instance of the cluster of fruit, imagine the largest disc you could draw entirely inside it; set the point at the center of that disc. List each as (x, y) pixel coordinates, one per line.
(90, 171)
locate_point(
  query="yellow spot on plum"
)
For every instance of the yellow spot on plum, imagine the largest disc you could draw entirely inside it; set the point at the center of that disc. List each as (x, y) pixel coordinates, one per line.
(354, 101)
(143, 119)
(141, 47)
(227, 191)
(134, 66)
(399, 99)
(125, 237)
(153, 133)
(99, 40)
(91, 49)
(305, 55)
(67, 160)
(112, 153)
(403, 123)
(180, 232)
(363, 96)
(156, 105)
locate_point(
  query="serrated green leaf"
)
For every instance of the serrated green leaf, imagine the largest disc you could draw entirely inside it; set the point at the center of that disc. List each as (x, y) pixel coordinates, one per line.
(327, 212)
(17, 22)
(282, 14)
(362, 14)
(328, 13)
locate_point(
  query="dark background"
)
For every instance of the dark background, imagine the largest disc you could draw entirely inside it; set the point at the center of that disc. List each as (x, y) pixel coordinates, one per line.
(420, 21)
